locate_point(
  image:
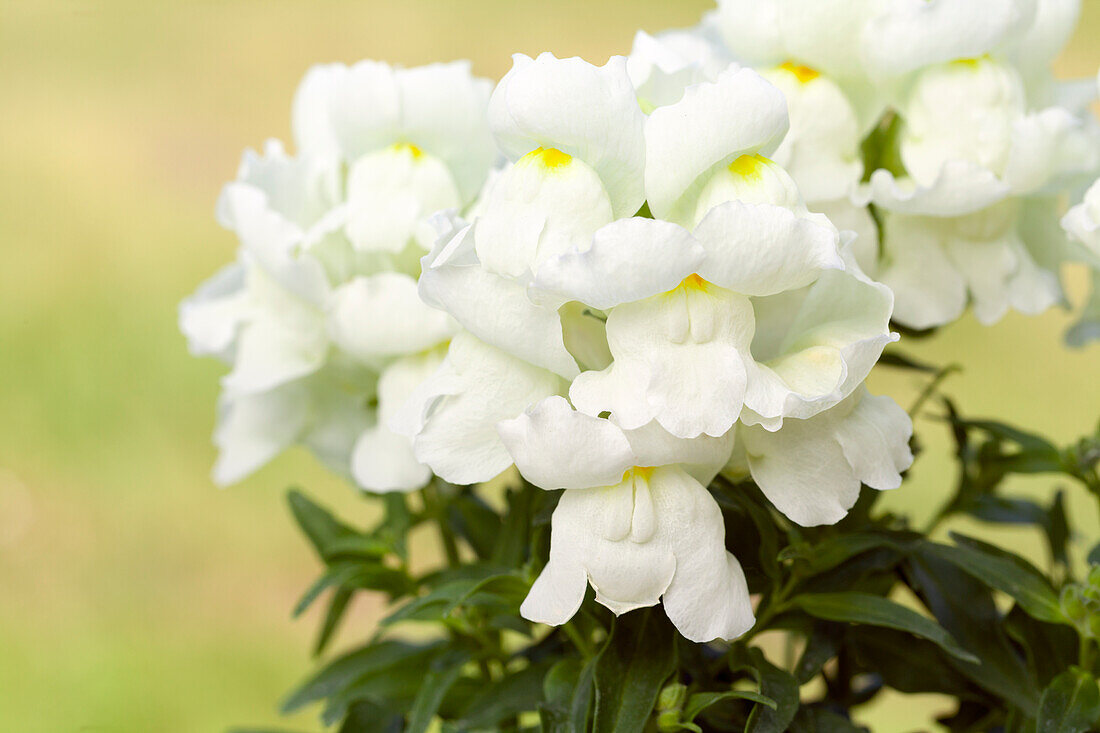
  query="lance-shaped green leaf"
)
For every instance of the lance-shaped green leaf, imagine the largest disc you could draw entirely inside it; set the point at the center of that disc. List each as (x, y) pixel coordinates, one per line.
(443, 673)
(1005, 572)
(507, 697)
(637, 658)
(1070, 704)
(864, 608)
(318, 524)
(775, 684)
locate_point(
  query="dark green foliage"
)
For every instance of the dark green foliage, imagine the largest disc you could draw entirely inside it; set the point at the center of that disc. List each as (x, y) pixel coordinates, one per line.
(869, 604)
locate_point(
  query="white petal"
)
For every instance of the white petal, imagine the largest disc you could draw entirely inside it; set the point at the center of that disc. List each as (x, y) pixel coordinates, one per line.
(679, 359)
(832, 335)
(875, 439)
(586, 111)
(1087, 328)
(444, 111)
(384, 460)
(211, 317)
(961, 188)
(763, 250)
(1082, 222)
(701, 457)
(453, 415)
(270, 353)
(365, 109)
(390, 192)
(928, 289)
(708, 597)
(556, 447)
(712, 125)
(1049, 147)
(812, 469)
(373, 318)
(495, 309)
(547, 204)
(628, 260)
(822, 149)
(961, 112)
(310, 120)
(916, 33)
(253, 429)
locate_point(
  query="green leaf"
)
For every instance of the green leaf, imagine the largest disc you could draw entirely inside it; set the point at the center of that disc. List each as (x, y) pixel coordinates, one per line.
(515, 532)
(822, 645)
(638, 657)
(349, 574)
(1004, 571)
(443, 673)
(338, 673)
(1050, 648)
(507, 697)
(907, 664)
(393, 686)
(372, 717)
(477, 523)
(336, 608)
(700, 701)
(821, 720)
(1057, 528)
(864, 608)
(833, 551)
(499, 593)
(1070, 704)
(965, 607)
(775, 684)
(318, 524)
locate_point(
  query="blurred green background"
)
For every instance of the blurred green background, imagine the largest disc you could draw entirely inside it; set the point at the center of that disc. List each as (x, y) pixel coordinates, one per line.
(135, 596)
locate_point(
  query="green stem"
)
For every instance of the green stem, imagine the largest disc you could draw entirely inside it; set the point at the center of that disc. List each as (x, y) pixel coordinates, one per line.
(433, 504)
(1087, 655)
(578, 640)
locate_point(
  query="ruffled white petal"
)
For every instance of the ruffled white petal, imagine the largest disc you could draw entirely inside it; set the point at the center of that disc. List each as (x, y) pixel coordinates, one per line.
(738, 114)
(452, 416)
(556, 447)
(383, 460)
(212, 316)
(915, 33)
(381, 316)
(391, 192)
(545, 205)
(493, 308)
(763, 250)
(811, 470)
(679, 360)
(628, 260)
(589, 112)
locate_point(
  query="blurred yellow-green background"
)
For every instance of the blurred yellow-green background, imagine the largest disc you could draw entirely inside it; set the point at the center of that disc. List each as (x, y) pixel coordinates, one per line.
(134, 596)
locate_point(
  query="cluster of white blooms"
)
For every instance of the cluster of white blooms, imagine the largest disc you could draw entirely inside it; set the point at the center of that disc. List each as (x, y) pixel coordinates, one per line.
(626, 279)
(319, 316)
(936, 130)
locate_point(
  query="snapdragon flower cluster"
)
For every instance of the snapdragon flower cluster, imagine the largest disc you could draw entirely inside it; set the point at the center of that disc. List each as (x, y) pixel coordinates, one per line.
(936, 130)
(624, 280)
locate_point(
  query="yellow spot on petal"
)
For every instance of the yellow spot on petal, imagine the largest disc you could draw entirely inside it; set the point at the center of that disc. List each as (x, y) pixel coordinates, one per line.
(409, 148)
(749, 166)
(549, 158)
(969, 63)
(694, 282)
(804, 74)
(642, 472)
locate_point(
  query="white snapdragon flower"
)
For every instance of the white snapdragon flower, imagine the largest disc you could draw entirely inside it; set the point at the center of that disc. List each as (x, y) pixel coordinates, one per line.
(320, 318)
(635, 521)
(982, 171)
